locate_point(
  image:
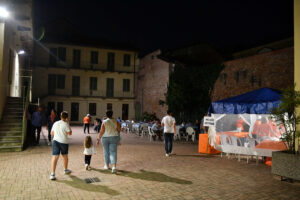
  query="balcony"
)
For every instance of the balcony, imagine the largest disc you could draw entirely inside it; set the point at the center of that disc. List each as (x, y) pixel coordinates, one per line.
(92, 94)
(88, 66)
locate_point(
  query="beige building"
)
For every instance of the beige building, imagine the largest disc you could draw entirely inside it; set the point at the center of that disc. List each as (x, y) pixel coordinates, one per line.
(84, 79)
(15, 48)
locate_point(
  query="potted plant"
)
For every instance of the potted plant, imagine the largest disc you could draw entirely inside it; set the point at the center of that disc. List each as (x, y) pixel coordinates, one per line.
(287, 163)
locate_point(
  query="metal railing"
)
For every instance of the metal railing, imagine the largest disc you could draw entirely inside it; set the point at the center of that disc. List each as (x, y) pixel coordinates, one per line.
(25, 99)
(89, 66)
(93, 93)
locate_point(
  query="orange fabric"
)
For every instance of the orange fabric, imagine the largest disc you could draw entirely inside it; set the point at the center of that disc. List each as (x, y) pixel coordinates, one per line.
(240, 123)
(269, 144)
(268, 161)
(256, 126)
(241, 134)
(203, 143)
(86, 120)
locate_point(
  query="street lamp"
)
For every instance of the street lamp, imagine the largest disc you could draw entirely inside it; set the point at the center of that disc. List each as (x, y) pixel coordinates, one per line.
(21, 52)
(4, 13)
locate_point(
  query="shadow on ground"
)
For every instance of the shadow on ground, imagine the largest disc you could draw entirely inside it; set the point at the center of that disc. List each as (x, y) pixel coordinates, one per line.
(146, 175)
(196, 156)
(81, 184)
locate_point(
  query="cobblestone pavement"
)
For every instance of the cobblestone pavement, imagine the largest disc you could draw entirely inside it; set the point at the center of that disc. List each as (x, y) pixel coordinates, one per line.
(144, 173)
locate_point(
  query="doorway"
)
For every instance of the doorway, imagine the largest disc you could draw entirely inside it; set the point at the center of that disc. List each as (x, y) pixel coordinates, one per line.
(125, 108)
(74, 111)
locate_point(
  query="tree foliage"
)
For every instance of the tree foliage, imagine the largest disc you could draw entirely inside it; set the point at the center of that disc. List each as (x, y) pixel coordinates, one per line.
(286, 114)
(189, 90)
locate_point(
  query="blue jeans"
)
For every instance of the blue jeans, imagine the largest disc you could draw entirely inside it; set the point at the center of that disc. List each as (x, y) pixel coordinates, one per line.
(168, 142)
(109, 145)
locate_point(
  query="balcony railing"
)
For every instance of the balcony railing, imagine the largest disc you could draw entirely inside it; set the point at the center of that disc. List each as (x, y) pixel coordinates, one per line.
(89, 66)
(93, 93)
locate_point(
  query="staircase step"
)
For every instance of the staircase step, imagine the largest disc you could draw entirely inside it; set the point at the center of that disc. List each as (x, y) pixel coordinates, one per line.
(11, 149)
(13, 131)
(10, 143)
(10, 138)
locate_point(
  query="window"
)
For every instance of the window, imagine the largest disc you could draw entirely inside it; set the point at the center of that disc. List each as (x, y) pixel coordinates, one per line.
(76, 85)
(51, 84)
(60, 107)
(126, 85)
(93, 83)
(53, 56)
(109, 106)
(127, 60)
(109, 87)
(92, 108)
(76, 58)
(62, 53)
(253, 80)
(94, 57)
(237, 77)
(61, 81)
(110, 61)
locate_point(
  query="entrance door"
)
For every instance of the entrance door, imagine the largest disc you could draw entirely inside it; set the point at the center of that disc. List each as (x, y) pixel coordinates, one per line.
(109, 87)
(74, 111)
(125, 111)
(76, 85)
(51, 84)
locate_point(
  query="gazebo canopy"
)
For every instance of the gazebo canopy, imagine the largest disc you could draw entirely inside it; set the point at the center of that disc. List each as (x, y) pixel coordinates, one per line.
(259, 101)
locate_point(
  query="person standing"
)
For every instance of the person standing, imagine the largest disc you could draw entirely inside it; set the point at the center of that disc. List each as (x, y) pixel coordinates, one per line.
(169, 124)
(89, 150)
(60, 131)
(109, 136)
(52, 118)
(86, 123)
(37, 122)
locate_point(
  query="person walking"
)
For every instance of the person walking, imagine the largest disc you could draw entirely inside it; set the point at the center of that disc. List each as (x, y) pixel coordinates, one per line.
(52, 118)
(37, 120)
(110, 137)
(86, 123)
(169, 124)
(89, 150)
(60, 131)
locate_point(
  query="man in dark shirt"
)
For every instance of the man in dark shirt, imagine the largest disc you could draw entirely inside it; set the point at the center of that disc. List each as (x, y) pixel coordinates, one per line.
(37, 122)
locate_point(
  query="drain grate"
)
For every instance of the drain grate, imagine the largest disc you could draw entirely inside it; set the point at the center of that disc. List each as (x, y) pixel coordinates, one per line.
(92, 180)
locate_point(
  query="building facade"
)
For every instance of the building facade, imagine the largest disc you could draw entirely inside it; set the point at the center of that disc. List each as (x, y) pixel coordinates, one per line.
(152, 85)
(256, 68)
(84, 80)
(15, 37)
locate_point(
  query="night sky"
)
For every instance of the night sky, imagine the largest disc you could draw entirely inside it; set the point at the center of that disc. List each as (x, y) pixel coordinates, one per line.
(153, 24)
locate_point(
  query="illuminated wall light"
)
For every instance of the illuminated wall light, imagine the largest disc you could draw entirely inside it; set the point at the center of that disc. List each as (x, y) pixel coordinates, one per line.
(4, 13)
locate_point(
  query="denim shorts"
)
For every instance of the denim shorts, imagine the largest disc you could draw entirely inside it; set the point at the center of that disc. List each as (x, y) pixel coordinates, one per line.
(59, 148)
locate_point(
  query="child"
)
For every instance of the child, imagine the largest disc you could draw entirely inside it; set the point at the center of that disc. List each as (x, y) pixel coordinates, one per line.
(88, 151)
(60, 130)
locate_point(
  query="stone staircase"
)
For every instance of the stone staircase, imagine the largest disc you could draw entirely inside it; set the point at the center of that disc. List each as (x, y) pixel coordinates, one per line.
(11, 125)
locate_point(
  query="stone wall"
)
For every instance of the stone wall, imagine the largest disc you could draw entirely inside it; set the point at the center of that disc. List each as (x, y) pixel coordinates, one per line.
(152, 83)
(273, 69)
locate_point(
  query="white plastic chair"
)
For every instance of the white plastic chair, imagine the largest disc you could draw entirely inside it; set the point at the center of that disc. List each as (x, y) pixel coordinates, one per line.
(144, 129)
(178, 133)
(151, 133)
(129, 128)
(190, 132)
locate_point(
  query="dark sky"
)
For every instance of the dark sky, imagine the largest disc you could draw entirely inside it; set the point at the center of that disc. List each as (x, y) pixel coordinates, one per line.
(153, 24)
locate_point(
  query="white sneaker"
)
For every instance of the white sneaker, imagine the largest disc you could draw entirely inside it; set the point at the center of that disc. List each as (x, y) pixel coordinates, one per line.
(113, 170)
(49, 143)
(167, 155)
(86, 166)
(67, 171)
(52, 177)
(105, 167)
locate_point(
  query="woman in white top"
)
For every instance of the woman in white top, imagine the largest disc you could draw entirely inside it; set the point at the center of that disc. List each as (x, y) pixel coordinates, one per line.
(109, 136)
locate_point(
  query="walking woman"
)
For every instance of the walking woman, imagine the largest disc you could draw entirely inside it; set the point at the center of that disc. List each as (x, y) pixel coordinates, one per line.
(109, 136)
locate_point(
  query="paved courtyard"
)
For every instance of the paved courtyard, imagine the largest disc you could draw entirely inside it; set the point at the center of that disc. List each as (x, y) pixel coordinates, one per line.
(144, 173)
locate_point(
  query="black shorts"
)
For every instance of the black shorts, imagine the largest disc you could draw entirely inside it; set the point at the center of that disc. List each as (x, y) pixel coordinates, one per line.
(59, 148)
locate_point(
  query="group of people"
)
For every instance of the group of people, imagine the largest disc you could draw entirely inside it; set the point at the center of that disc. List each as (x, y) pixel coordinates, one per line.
(109, 135)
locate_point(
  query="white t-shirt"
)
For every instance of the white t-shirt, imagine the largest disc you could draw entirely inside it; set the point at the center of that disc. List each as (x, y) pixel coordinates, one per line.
(61, 128)
(89, 151)
(169, 122)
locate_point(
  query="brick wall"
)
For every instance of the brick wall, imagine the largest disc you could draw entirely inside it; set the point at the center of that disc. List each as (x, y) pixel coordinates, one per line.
(152, 82)
(274, 69)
